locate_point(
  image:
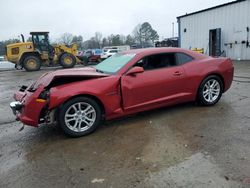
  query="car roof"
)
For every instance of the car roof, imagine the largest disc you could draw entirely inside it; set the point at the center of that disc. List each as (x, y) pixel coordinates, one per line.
(151, 51)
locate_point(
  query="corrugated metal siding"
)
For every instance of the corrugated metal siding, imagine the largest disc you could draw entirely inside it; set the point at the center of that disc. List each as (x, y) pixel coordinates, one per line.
(232, 19)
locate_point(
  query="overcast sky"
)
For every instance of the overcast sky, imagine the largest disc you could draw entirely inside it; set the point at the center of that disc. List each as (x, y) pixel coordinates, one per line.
(85, 17)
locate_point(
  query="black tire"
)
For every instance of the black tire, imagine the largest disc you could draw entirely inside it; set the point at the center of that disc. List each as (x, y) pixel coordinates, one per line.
(31, 63)
(67, 60)
(209, 94)
(71, 128)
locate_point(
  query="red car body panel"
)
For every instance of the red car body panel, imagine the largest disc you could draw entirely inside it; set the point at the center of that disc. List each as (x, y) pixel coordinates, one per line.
(47, 78)
(32, 108)
(106, 90)
(122, 94)
(156, 85)
(94, 58)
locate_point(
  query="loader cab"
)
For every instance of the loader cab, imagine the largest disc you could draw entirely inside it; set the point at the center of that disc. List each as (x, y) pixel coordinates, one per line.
(41, 42)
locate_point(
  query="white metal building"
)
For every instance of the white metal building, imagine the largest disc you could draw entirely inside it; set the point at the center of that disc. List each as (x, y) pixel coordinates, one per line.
(219, 30)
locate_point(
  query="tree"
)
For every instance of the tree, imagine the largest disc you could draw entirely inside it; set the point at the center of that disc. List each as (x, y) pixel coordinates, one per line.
(138, 34)
(115, 40)
(110, 39)
(105, 42)
(29, 39)
(130, 40)
(3, 44)
(98, 38)
(79, 41)
(154, 36)
(144, 33)
(90, 44)
(66, 38)
(123, 39)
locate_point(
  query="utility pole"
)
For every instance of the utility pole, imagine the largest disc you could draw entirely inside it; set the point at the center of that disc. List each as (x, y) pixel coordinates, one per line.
(173, 29)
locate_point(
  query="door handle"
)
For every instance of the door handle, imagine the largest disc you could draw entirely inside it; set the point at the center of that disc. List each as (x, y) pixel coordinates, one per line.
(177, 73)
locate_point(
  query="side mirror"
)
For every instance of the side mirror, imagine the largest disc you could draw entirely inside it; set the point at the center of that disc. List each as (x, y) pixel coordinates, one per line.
(135, 70)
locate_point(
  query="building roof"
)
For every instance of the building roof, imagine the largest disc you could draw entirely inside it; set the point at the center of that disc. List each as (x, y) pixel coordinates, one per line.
(211, 8)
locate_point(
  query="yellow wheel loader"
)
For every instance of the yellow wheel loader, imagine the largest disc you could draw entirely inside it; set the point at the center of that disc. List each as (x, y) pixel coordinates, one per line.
(31, 55)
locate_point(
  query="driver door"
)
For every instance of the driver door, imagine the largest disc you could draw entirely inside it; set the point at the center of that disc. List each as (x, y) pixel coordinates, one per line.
(159, 84)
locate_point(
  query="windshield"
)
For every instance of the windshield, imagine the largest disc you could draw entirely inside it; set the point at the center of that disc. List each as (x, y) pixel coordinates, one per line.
(114, 63)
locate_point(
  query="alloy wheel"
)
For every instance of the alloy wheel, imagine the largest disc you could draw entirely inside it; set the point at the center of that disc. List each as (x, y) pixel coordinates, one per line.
(80, 116)
(211, 90)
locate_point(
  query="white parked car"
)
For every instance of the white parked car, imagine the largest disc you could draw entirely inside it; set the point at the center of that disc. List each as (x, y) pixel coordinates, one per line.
(108, 53)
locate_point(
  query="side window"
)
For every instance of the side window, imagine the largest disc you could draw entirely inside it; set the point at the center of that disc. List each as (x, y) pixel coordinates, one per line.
(157, 61)
(183, 58)
(113, 51)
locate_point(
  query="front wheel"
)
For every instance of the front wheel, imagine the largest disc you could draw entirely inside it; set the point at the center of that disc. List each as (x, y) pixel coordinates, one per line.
(210, 90)
(67, 60)
(80, 116)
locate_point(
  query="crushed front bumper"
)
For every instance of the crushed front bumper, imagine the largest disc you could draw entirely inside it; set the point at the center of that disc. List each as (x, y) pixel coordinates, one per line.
(27, 107)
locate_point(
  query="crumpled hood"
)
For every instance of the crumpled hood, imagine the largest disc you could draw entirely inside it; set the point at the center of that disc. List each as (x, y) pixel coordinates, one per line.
(85, 72)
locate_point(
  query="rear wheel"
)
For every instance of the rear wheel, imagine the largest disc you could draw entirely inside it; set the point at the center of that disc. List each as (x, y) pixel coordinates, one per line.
(80, 116)
(32, 63)
(67, 60)
(210, 90)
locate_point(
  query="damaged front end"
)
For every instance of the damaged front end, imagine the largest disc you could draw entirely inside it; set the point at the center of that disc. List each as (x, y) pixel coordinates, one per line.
(29, 103)
(32, 103)
(47, 115)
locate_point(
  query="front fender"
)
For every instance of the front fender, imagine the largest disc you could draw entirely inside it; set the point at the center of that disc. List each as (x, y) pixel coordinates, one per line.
(58, 96)
(106, 90)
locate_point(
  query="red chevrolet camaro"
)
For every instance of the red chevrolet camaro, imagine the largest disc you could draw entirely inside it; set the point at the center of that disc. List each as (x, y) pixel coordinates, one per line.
(126, 83)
